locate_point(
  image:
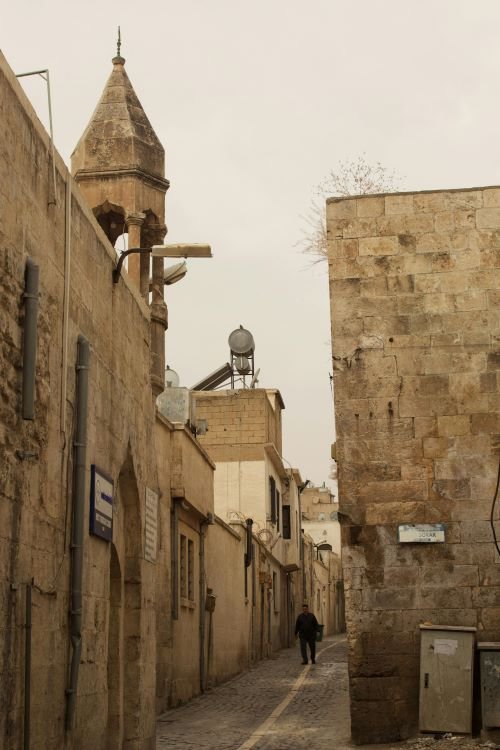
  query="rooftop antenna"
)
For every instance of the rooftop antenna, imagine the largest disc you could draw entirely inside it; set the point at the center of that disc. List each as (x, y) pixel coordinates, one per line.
(45, 75)
(118, 43)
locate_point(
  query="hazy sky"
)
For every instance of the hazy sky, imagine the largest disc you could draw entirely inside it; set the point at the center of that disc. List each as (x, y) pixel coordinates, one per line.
(255, 103)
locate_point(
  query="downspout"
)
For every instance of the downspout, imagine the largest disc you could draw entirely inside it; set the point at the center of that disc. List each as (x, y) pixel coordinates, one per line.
(80, 448)
(203, 525)
(175, 560)
(30, 338)
(27, 669)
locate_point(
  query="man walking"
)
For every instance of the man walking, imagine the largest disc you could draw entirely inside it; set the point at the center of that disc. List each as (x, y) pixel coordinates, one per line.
(306, 628)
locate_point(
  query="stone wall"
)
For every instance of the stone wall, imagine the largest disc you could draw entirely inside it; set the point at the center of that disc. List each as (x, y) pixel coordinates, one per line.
(239, 422)
(115, 699)
(415, 306)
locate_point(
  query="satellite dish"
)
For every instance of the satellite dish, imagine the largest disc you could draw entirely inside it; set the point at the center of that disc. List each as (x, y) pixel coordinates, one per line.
(254, 380)
(241, 342)
(171, 378)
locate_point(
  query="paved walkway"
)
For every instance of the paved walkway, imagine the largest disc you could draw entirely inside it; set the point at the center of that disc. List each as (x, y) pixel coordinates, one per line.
(277, 705)
(281, 705)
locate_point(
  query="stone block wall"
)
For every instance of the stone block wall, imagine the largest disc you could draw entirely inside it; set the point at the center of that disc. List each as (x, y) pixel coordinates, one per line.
(237, 418)
(415, 309)
(113, 705)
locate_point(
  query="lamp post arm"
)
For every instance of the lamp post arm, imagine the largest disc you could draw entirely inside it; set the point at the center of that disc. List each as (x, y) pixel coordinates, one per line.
(118, 269)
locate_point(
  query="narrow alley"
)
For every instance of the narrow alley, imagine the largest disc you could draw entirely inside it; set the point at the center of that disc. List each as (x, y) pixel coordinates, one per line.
(278, 705)
(281, 705)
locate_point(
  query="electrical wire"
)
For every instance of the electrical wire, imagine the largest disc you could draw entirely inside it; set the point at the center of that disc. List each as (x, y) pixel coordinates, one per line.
(493, 511)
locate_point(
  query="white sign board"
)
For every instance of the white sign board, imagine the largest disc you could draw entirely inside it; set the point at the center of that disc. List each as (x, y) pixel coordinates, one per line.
(151, 526)
(101, 504)
(445, 646)
(421, 532)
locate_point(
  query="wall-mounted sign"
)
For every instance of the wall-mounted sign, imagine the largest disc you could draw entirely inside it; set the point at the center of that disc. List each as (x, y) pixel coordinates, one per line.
(101, 504)
(151, 526)
(421, 532)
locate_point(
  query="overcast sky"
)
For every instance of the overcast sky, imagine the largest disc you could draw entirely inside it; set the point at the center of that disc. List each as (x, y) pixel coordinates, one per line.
(255, 103)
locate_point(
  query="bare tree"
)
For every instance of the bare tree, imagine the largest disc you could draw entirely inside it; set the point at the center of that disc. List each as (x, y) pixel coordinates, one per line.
(351, 177)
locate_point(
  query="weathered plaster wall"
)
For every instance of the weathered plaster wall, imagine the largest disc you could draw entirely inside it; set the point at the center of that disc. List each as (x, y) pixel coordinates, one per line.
(414, 282)
(229, 627)
(35, 493)
(240, 488)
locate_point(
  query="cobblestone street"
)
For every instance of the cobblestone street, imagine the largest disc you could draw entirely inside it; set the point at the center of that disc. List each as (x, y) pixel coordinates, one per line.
(281, 705)
(243, 713)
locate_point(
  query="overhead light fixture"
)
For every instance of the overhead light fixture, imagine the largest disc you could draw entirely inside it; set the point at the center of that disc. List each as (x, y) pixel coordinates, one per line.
(181, 251)
(164, 251)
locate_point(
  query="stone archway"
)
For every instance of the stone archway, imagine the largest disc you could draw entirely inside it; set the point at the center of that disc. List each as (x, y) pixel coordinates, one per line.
(111, 219)
(115, 653)
(129, 505)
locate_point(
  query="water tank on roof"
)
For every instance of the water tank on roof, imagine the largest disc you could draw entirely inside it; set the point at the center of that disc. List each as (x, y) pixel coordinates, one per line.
(241, 342)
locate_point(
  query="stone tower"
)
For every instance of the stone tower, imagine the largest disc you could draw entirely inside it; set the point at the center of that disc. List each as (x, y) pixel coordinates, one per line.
(119, 165)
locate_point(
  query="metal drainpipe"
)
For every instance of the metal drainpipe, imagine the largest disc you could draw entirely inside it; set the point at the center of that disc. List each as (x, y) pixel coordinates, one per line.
(30, 338)
(175, 560)
(27, 670)
(202, 605)
(80, 447)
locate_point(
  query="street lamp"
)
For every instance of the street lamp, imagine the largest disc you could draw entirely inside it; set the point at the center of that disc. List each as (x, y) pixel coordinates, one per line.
(164, 251)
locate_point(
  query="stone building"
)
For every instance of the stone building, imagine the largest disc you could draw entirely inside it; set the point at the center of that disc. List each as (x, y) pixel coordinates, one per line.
(111, 555)
(244, 438)
(320, 516)
(414, 281)
(81, 495)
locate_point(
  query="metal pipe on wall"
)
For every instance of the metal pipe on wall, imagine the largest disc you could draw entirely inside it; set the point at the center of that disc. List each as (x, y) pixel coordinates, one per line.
(202, 605)
(175, 559)
(80, 448)
(27, 670)
(30, 338)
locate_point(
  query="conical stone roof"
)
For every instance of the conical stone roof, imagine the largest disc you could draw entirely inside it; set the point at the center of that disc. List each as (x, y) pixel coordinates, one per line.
(119, 136)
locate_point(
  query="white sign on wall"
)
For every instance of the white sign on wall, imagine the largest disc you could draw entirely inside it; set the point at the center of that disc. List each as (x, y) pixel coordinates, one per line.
(425, 533)
(151, 526)
(101, 504)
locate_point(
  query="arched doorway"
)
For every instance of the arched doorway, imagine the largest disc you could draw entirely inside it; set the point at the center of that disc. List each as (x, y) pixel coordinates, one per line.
(115, 653)
(124, 688)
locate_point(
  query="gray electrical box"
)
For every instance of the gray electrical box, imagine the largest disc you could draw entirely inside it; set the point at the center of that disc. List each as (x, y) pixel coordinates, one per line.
(446, 673)
(490, 683)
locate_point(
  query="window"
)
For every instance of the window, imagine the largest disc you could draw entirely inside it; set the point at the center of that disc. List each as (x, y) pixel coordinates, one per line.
(278, 501)
(190, 571)
(186, 569)
(276, 598)
(254, 578)
(272, 492)
(183, 563)
(287, 530)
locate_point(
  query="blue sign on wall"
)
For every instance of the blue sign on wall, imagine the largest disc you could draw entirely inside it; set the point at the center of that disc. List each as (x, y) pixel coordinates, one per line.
(101, 504)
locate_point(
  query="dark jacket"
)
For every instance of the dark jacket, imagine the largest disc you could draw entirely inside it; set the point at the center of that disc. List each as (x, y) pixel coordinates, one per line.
(306, 625)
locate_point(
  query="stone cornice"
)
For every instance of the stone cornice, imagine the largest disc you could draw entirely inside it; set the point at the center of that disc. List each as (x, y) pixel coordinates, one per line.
(160, 183)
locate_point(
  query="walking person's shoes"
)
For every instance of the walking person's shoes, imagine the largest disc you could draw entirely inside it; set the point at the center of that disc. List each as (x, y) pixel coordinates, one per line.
(305, 662)
(313, 661)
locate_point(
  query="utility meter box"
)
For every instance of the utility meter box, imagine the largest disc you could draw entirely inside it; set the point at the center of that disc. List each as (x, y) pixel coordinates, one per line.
(446, 674)
(490, 684)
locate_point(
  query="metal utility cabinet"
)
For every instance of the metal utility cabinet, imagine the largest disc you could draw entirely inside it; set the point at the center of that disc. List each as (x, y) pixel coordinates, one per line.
(490, 684)
(446, 673)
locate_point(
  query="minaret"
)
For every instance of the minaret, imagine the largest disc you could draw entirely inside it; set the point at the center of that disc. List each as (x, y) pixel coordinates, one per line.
(119, 165)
